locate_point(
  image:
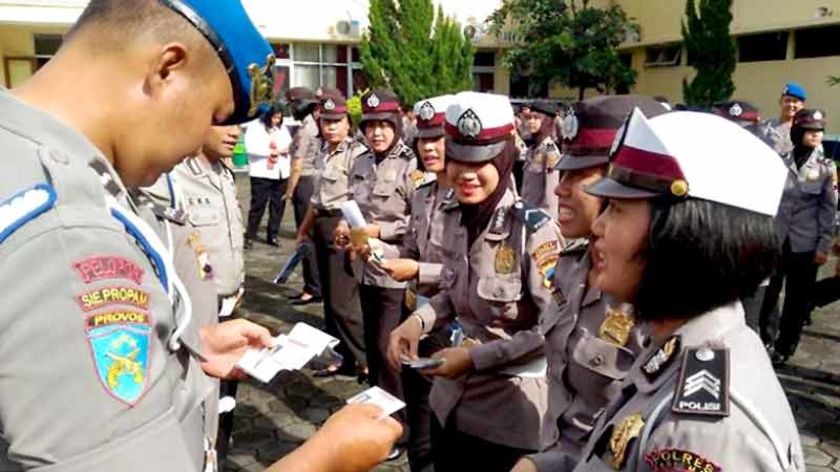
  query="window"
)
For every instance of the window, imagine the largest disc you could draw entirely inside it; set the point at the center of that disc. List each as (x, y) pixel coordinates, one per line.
(315, 65)
(483, 82)
(484, 59)
(46, 45)
(817, 42)
(763, 47)
(663, 56)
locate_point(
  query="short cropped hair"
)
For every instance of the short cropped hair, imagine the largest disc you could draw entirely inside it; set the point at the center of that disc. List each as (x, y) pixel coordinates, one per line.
(701, 255)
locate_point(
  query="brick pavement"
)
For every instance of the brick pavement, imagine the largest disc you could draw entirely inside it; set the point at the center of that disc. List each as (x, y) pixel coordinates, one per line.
(273, 419)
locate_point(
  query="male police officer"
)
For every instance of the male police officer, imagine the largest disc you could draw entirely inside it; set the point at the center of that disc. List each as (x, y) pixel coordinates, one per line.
(778, 129)
(98, 354)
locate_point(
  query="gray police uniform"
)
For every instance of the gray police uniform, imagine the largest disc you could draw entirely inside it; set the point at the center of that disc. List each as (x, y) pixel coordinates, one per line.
(591, 344)
(306, 147)
(92, 380)
(777, 135)
(704, 399)
(496, 289)
(342, 309)
(539, 177)
(208, 194)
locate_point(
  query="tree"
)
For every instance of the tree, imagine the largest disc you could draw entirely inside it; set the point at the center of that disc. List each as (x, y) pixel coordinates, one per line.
(414, 51)
(567, 41)
(711, 51)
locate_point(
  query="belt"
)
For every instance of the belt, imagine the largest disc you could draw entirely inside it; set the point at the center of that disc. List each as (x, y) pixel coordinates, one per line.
(327, 213)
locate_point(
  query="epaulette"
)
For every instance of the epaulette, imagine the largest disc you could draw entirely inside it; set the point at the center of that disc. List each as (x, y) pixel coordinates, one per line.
(422, 179)
(703, 385)
(406, 153)
(534, 218)
(575, 246)
(23, 207)
(551, 146)
(357, 149)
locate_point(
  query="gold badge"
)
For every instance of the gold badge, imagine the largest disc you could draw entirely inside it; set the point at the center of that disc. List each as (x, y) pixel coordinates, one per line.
(626, 430)
(679, 188)
(813, 175)
(616, 327)
(417, 176)
(411, 299)
(505, 260)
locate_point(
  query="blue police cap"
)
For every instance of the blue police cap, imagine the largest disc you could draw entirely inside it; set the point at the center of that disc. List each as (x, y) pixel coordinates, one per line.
(245, 53)
(794, 90)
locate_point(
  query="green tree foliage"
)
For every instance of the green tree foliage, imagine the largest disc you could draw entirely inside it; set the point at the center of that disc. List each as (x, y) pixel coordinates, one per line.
(711, 51)
(568, 41)
(414, 51)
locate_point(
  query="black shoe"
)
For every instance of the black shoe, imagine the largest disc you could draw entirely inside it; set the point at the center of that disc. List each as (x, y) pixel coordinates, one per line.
(272, 242)
(295, 297)
(306, 301)
(778, 359)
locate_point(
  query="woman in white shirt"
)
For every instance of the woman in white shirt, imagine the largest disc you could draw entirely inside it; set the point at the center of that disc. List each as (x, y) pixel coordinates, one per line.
(267, 142)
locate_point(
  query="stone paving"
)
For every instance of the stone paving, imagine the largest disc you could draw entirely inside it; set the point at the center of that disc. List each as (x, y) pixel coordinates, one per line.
(273, 419)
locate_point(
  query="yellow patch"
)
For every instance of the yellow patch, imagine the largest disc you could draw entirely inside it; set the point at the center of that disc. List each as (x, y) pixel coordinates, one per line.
(505, 260)
(624, 431)
(616, 327)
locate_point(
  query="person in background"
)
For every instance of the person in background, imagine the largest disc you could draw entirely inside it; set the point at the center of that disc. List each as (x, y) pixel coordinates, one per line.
(540, 177)
(778, 129)
(269, 166)
(342, 309)
(805, 225)
(489, 392)
(591, 341)
(304, 176)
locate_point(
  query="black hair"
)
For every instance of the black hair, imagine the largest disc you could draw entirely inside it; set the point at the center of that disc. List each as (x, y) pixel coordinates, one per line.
(272, 110)
(701, 255)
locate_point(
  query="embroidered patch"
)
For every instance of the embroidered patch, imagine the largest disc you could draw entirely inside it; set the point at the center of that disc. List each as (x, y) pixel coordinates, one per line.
(103, 297)
(505, 260)
(119, 342)
(662, 358)
(546, 251)
(202, 258)
(547, 269)
(23, 207)
(678, 460)
(703, 387)
(108, 267)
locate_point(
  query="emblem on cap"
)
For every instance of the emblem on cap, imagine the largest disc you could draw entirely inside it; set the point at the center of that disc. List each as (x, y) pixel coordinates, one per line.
(329, 105)
(818, 115)
(427, 111)
(679, 188)
(570, 125)
(373, 101)
(469, 125)
(735, 110)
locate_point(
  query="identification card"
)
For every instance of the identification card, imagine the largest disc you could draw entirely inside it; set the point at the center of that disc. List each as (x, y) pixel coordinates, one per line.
(384, 400)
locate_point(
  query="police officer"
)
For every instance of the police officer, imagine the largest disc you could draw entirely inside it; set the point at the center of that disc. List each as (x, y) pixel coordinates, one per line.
(208, 194)
(342, 310)
(91, 295)
(806, 226)
(778, 129)
(539, 177)
(488, 396)
(381, 185)
(419, 261)
(682, 242)
(304, 150)
(591, 341)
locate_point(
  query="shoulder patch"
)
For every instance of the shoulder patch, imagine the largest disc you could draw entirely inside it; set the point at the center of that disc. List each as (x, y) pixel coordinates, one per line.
(679, 460)
(703, 387)
(422, 179)
(662, 358)
(23, 207)
(534, 218)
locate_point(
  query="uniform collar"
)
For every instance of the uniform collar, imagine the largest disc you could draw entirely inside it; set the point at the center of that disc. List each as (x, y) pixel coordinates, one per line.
(705, 330)
(499, 228)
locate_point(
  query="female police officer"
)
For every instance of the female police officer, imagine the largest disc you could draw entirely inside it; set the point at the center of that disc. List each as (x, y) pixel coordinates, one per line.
(591, 342)
(683, 242)
(487, 397)
(539, 176)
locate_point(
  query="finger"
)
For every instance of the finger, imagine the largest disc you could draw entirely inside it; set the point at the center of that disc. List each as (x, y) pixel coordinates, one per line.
(368, 410)
(257, 335)
(394, 426)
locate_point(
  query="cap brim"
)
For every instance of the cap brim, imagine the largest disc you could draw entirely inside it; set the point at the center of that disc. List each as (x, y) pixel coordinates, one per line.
(813, 126)
(389, 116)
(433, 132)
(609, 188)
(473, 153)
(569, 162)
(332, 116)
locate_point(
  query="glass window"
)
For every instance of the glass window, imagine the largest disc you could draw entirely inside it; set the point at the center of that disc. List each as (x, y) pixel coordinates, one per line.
(817, 42)
(307, 52)
(355, 55)
(47, 44)
(486, 59)
(307, 76)
(281, 84)
(483, 82)
(763, 47)
(330, 53)
(663, 56)
(342, 55)
(360, 81)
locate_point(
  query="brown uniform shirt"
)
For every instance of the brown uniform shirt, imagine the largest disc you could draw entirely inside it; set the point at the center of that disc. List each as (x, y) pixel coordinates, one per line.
(496, 289)
(333, 187)
(540, 177)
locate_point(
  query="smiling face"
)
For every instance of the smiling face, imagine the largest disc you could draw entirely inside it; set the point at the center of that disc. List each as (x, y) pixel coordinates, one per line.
(380, 135)
(621, 233)
(473, 183)
(789, 106)
(577, 210)
(812, 138)
(432, 152)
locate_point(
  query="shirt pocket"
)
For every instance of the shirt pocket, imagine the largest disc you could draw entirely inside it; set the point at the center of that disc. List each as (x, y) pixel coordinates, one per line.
(331, 174)
(596, 356)
(501, 293)
(811, 187)
(384, 188)
(200, 215)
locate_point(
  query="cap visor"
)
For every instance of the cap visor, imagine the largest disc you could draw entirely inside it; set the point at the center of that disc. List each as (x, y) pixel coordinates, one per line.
(609, 188)
(570, 162)
(389, 116)
(332, 116)
(474, 153)
(433, 132)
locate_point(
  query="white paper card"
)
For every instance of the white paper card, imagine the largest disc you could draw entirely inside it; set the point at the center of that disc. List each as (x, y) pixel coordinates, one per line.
(353, 214)
(290, 352)
(384, 400)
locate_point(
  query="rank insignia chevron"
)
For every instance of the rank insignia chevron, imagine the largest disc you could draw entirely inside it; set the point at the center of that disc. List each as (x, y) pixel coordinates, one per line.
(703, 387)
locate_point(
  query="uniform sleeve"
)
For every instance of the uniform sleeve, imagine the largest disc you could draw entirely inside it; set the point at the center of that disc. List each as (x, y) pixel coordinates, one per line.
(304, 142)
(395, 230)
(552, 461)
(827, 212)
(409, 249)
(429, 273)
(437, 312)
(86, 382)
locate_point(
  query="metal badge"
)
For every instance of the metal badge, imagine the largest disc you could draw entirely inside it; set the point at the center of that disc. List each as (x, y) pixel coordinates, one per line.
(469, 125)
(373, 101)
(818, 115)
(662, 358)
(735, 110)
(329, 105)
(624, 431)
(616, 327)
(570, 125)
(427, 111)
(505, 260)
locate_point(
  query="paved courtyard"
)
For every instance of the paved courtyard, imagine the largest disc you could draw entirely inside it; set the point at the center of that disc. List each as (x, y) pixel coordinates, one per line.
(273, 419)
